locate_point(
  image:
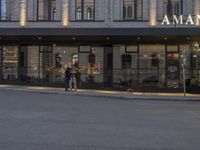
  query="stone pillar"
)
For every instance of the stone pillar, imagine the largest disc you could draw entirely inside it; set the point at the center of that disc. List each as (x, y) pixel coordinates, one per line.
(196, 7)
(64, 12)
(153, 13)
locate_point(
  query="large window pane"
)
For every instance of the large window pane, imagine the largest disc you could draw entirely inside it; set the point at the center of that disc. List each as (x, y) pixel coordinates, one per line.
(152, 64)
(64, 57)
(84, 9)
(172, 7)
(139, 10)
(88, 9)
(5, 9)
(132, 9)
(46, 9)
(10, 62)
(78, 9)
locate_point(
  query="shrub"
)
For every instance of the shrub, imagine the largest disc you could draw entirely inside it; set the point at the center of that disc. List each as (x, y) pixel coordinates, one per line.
(194, 82)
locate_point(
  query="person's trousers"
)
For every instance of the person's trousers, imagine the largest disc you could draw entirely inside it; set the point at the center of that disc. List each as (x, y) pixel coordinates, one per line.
(66, 84)
(72, 81)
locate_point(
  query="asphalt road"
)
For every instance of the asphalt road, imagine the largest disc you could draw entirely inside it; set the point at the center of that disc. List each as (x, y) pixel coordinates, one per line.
(36, 121)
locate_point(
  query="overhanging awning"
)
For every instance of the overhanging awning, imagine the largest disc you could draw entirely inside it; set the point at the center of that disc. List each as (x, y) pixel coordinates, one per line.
(99, 31)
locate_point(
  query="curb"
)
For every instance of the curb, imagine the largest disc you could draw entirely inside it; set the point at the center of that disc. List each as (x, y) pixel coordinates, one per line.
(128, 97)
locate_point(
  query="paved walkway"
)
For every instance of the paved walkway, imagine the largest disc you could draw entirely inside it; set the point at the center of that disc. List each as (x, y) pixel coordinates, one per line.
(107, 94)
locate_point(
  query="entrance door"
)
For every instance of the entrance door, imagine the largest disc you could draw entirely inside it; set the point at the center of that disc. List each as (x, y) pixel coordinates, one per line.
(108, 65)
(173, 70)
(22, 63)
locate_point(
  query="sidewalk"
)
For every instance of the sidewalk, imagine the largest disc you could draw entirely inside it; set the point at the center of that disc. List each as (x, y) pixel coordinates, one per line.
(106, 94)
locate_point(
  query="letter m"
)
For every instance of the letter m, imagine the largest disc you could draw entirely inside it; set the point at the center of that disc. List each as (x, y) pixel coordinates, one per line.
(177, 20)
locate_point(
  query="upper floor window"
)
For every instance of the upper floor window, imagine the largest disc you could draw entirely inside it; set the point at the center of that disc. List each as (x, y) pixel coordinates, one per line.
(5, 9)
(132, 10)
(173, 7)
(46, 10)
(85, 9)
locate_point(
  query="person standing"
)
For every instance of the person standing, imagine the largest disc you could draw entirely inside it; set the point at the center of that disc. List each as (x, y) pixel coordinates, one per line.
(67, 78)
(72, 80)
(78, 78)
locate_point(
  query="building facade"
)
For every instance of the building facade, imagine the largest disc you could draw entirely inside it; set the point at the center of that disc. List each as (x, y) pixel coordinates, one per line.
(112, 42)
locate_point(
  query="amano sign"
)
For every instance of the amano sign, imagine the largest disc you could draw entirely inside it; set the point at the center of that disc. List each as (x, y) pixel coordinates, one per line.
(180, 21)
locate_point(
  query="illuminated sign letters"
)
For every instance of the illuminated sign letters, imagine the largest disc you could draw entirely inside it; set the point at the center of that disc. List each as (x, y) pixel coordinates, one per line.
(180, 21)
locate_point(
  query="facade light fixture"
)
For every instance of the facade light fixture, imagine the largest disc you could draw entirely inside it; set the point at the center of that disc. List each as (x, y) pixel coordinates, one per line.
(65, 13)
(22, 13)
(153, 13)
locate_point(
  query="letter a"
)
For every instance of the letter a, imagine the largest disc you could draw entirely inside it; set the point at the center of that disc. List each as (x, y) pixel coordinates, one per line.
(189, 20)
(165, 20)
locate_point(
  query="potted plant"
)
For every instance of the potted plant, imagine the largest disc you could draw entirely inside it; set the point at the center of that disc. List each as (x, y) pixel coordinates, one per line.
(194, 86)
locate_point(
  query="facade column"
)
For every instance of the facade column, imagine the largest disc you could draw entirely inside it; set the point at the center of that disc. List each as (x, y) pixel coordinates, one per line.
(153, 13)
(196, 7)
(65, 13)
(22, 17)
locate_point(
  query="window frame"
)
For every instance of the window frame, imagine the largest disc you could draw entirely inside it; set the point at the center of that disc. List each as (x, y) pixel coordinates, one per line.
(5, 20)
(82, 11)
(50, 14)
(135, 10)
(171, 8)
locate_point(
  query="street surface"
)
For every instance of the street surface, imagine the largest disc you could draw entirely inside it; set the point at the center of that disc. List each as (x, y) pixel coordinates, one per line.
(39, 121)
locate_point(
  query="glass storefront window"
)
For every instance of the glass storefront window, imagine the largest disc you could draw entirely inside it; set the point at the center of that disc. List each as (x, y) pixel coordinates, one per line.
(152, 64)
(64, 57)
(10, 62)
(33, 62)
(5, 9)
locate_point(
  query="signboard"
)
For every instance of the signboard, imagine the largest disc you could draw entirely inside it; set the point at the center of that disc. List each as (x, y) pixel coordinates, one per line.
(181, 20)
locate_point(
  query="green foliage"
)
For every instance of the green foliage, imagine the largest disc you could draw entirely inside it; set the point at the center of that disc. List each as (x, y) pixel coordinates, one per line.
(194, 82)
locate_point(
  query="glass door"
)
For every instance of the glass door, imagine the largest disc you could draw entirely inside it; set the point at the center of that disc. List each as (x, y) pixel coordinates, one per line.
(173, 67)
